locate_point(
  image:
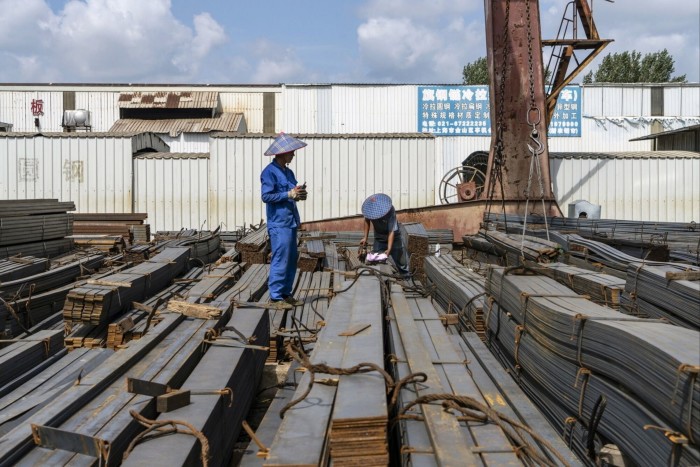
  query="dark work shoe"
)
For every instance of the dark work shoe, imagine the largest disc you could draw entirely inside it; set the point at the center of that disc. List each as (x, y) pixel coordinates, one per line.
(278, 305)
(293, 301)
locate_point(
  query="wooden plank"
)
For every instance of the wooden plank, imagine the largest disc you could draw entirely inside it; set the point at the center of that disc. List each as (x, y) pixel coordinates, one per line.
(172, 401)
(683, 276)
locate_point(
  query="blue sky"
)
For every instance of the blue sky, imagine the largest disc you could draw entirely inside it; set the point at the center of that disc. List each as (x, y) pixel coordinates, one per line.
(297, 41)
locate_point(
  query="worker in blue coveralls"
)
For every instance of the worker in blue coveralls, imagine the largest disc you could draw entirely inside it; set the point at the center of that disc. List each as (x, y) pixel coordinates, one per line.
(280, 193)
(378, 210)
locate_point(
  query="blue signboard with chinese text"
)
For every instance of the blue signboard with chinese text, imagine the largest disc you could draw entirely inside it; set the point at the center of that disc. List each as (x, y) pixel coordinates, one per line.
(466, 111)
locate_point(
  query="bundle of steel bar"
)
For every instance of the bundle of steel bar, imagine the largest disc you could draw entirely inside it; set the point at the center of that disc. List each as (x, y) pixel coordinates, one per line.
(601, 288)
(336, 264)
(107, 243)
(107, 223)
(98, 301)
(230, 255)
(18, 355)
(37, 228)
(587, 408)
(677, 235)
(458, 290)
(167, 366)
(19, 441)
(687, 257)
(427, 435)
(17, 267)
(139, 253)
(311, 417)
(352, 237)
(205, 246)
(23, 316)
(140, 233)
(312, 244)
(416, 241)
(518, 247)
(60, 274)
(250, 287)
(307, 263)
(226, 377)
(254, 246)
(19, 403)
(673, 292)
(43, 249)
(610, 344)
(34, 207)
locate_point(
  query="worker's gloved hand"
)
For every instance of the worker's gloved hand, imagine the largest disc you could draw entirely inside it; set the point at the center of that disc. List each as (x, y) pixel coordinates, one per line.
(303, 194)
(294, 193)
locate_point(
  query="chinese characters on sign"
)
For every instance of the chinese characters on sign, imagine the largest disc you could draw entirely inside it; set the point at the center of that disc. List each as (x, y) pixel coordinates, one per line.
(73, 171)
(37, 107)
(28, 169)
(466, 111)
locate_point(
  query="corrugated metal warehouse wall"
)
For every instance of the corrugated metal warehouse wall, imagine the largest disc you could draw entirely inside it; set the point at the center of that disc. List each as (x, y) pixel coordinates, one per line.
(664, 187)
(172, 189)
(94, 171)
(340, 171)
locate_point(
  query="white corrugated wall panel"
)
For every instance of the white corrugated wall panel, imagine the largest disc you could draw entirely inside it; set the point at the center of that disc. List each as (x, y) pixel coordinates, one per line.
(682, 101)
(103, 107)
(249, 104)
(187, 142)
(173, 192)
(300, 109)
(651, 189)
(16, 108)
(340, 173)
(375, 109)
(94, 173)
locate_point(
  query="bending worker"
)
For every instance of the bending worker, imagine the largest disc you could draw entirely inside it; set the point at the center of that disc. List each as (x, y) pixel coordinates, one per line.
(280, 193)
(378, 210)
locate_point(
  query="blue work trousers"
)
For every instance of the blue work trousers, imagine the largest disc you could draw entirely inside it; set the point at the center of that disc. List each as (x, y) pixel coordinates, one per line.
(283, 265)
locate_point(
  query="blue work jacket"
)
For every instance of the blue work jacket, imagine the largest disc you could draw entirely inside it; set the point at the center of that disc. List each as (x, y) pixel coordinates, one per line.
(276, 183)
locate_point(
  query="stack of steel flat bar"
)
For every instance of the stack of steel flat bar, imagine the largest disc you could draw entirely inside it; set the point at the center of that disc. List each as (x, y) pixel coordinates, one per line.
(459, 290)
(19, 441)
(138, 253)
(53, 278)
(250, 287)
(444, 237)
(502, 392)
(415, 238)
(45, 249)
(40, 311)
(205, 290)
(107, 243)
(313, 244)
(309, 419)
(235, 362)
(269, 425)
(568, 397)
(518, 246)
(254, 246)
(430, 436)
(107, 418)
(336, 264)
(677, 300)
(37, 228)
(140, 233)
(358, 428)
(107, 223)
(33, 207)
(96, 303)
(19, 403)
(601, 288)
(17, 267)
(22, 354)
(608, 344)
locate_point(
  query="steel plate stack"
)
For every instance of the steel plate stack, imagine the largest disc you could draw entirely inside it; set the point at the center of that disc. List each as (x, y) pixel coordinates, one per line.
(601, 288)
(531, 248)
(23, 354)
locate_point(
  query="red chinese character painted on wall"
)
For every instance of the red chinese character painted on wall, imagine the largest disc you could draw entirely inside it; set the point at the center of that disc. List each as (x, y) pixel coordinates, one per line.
(37, 107)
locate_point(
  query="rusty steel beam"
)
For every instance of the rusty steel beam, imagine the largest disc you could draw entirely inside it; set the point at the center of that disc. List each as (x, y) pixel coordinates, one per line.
(513, 39)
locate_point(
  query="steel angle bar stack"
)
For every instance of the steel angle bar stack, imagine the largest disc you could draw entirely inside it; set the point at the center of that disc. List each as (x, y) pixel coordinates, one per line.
(96, 303)
(458, 290)
(428, 435)
(608, 345)
(518, 246)
(23, 354)
(601, 288)
(254, 247)
(662, 291)
(234, 363)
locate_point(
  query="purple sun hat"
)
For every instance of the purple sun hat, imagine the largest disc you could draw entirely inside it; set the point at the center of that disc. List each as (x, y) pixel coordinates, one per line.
(284, 143)
(376, 206)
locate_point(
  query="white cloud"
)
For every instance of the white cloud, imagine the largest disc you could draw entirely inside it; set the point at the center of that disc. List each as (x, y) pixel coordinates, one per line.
(277, 64)
(104, 40)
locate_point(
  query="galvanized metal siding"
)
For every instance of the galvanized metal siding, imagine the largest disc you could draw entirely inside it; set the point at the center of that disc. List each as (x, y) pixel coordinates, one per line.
(95, 173)
(248, 103)
(173, 192)
(682, 101)
(103, 107)
(187, 142)
(375, 109)
(15, 108)
(340, 173)
(664, 190)
(300, 110)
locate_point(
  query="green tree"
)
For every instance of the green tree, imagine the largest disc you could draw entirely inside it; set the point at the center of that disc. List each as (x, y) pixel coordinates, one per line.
(632, 67)
(476, 72)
